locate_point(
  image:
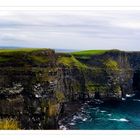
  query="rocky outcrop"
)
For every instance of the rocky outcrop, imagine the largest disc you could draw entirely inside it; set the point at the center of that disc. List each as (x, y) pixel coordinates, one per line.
(36, 85)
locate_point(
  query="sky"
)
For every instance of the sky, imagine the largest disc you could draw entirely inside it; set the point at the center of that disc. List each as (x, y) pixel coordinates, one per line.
(79, 30)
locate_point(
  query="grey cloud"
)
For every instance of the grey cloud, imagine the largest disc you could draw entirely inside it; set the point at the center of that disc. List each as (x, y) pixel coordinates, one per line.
(75, 27)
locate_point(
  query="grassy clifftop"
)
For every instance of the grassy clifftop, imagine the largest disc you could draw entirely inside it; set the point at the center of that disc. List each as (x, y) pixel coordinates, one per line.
(85, 59)
(89, 52)
(25, 56)
(39, 56)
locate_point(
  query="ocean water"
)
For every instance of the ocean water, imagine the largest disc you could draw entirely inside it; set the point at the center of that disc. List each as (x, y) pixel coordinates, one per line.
(122, 116)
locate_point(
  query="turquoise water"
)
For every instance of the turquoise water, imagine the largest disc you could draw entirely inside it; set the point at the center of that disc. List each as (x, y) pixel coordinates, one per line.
(122, 116)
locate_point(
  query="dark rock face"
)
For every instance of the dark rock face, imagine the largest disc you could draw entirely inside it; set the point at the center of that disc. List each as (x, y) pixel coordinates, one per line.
(111, 75)
(71, 82)
(27, 90)
(34, 87)
(134, 60)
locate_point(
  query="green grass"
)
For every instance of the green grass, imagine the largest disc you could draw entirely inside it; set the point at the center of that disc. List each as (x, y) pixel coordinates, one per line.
(9, 124)
(23, 55)
(71, 61)
(39, 59)
(89, 52)
(111, 64)
(20, 50)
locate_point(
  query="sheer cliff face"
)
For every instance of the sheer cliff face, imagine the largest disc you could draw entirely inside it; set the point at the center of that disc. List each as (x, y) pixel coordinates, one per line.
(27, 88)
(119, 73)
(109, 75)
(35, 85)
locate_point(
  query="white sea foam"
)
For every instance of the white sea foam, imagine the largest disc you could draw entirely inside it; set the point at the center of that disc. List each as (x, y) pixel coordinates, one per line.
(84, 119)
(62, 127)
(109, 114)
(72, 123)
(130, 95)
(137, 100)
(76, 118)
(103, 111)
(123, 99)
(119, 120)
(124, 120)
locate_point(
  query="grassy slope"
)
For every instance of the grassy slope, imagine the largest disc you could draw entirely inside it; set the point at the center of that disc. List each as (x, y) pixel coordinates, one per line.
(11, 55)
(70, 61)
(73, 60)
(89, 52)
(23, 54)
(20, 50)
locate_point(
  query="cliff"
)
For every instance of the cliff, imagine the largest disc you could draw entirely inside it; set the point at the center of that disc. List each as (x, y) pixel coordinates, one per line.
(36, 84)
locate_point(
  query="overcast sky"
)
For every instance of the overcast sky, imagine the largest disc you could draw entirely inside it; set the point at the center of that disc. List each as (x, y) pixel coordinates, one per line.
(71, 29)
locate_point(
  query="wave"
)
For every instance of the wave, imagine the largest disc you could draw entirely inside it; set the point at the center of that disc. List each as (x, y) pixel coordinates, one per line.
(137, 100)
(76, 117)
(103, 111)
(62, 127)
(119, 120)
(130, 95)
(84, 119)
(72, 123)
(123, 99)
(79, 117)
(109, 114)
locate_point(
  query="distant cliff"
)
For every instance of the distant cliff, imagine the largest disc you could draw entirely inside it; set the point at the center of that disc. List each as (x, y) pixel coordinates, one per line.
(35, 84)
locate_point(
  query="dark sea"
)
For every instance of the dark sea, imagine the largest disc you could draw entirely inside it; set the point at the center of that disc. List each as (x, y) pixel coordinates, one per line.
(124, 115)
